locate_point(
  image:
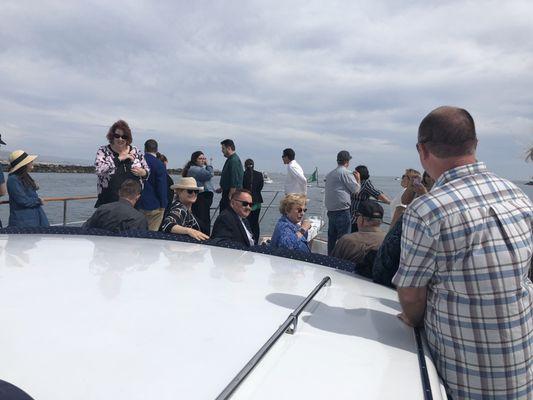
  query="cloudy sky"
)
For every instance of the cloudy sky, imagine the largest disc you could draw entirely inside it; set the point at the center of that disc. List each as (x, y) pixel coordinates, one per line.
(317, 76)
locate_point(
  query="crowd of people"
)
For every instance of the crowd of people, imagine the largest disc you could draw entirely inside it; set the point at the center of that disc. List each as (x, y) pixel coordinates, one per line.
(458, 250)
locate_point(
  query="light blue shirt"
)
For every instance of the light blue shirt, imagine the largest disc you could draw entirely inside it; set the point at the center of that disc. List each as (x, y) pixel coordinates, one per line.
(203, 176)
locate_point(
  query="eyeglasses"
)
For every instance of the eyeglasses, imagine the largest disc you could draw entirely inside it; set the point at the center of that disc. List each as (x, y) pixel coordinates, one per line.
(191, 191)
(301, 210)
(117, 136)
(244, 203)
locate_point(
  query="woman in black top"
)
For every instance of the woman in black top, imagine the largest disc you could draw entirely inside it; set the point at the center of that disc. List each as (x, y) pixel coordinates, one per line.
(253, 181)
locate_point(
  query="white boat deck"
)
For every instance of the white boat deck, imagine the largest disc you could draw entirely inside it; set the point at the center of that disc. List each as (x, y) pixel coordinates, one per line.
(87, 317)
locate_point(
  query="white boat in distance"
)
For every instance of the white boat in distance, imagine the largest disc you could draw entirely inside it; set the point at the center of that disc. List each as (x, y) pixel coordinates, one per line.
(103, 317)
(266, 178)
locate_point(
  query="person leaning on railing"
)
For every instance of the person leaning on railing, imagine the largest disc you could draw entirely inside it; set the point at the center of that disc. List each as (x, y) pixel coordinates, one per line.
(116, 162)
(291, 230)
(25, 207)
(198, 168)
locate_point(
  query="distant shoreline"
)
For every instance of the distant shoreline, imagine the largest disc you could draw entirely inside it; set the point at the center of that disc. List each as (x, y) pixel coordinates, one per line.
(78, 169)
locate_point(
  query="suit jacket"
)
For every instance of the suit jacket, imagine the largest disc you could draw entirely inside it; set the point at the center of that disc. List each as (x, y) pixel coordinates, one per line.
(117, 217)
(154, 194)
(228, 228)
(254, 183)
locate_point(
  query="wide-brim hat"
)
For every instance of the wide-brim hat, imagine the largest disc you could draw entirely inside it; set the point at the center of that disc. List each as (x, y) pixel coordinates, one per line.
(187, 183)
(18, 159)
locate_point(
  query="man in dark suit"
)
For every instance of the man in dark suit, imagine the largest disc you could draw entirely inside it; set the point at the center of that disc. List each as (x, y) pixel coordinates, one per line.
(253, 181)
(120, 215)
(154, 198)
(231, 225)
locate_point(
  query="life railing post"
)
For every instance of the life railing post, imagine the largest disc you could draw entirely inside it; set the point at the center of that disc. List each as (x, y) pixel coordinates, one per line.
(65, 212)
(269, 204)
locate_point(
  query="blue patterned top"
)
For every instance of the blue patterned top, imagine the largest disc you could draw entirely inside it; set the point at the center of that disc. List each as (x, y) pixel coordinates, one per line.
(284, 236)
(470, 242)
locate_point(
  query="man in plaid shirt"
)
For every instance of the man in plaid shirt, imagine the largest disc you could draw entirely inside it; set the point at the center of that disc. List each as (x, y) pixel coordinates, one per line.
(466, 251)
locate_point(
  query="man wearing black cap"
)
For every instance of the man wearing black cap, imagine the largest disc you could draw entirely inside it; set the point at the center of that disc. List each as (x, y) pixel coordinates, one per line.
(3, 189)
(355, 246)
(340, 185)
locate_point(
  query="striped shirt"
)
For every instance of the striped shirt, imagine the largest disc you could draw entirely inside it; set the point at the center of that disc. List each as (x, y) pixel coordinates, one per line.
(470, 242)
(366, 191)
(179, 215)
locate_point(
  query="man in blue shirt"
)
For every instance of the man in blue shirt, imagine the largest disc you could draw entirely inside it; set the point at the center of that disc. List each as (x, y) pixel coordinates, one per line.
(154, 199)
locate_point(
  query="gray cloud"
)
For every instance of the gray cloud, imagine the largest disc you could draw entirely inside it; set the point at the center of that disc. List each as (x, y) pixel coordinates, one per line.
(316, 77)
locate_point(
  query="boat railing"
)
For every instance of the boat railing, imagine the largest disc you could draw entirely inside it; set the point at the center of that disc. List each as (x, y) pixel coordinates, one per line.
(214, 210)
(65, 201)
(289, 326)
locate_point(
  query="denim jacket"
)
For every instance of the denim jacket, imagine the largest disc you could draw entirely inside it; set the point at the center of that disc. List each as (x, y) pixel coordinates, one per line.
(25, 208)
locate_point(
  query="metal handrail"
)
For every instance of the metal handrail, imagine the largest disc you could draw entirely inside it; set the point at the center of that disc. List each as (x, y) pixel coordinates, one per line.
(65, 200)
(424, 376)
(289, 326)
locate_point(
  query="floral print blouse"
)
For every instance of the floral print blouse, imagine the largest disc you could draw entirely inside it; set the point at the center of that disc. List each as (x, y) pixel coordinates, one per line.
(107, 160)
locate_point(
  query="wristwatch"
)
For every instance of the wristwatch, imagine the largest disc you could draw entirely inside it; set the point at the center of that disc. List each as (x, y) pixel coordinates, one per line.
(302, 231)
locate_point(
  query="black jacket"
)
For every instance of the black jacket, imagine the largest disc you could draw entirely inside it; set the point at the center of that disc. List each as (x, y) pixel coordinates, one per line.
(228, 228)
(254, 183)
(117, 217)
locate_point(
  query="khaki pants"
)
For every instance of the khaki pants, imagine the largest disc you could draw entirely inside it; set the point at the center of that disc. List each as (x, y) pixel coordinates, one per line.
(154, 218)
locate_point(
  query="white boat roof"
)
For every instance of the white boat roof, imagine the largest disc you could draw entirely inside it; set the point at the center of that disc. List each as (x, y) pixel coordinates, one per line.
(95, 317)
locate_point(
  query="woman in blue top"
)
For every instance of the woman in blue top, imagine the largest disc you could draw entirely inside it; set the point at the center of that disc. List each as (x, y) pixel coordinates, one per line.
(291, 232)
(25, 207)
(198, 169)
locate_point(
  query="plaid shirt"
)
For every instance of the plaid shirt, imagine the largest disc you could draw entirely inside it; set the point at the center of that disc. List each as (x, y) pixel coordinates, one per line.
(366, 191)
(470, 242)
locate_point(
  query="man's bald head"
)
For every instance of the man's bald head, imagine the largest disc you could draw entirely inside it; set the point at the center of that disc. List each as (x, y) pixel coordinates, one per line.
(448, 132)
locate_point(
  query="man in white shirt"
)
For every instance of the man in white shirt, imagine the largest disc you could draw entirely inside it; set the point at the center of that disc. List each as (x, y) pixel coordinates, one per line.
(296, 182)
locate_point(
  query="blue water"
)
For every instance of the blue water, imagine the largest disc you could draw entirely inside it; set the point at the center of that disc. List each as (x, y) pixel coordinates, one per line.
(65, 185)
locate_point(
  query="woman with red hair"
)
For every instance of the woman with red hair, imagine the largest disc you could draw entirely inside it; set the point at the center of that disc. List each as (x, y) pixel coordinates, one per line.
(116, 162)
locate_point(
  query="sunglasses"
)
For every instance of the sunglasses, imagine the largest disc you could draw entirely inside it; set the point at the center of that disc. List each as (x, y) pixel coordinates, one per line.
(191, 191)
(117, 136)
(245, 203)
(301, 210)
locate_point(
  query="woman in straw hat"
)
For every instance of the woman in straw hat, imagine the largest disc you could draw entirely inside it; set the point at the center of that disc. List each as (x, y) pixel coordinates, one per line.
(180, 218)
(25, 207)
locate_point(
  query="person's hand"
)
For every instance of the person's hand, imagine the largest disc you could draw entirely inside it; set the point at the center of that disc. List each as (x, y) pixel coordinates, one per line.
(41, 201)
(406, 320)
(197, 234)
(124, 156)
(138, 171)
(306, 224)
(219, 190)
(357, 176)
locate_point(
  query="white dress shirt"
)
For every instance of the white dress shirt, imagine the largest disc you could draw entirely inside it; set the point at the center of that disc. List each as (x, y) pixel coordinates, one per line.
(296, 182)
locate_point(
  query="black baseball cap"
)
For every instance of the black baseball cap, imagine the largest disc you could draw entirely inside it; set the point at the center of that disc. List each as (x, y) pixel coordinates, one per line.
(1, 141)
(343, 156)
(370, 209)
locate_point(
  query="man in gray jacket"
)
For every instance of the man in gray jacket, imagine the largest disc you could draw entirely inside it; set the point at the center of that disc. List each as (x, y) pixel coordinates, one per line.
(120, 215)
(340, 185)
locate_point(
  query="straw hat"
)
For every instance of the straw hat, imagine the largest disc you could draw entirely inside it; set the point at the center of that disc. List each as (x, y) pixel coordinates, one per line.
(186, 183)
(18, 159)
